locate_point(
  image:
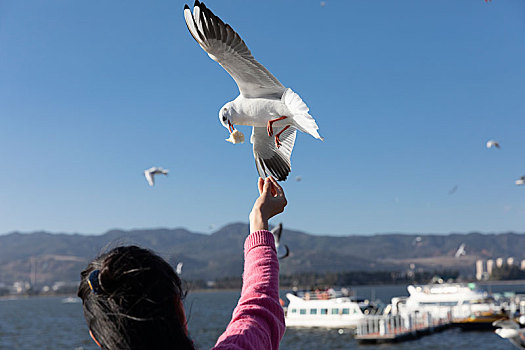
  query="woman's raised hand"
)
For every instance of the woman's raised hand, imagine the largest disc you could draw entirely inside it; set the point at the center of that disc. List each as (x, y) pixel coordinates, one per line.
(271, 202)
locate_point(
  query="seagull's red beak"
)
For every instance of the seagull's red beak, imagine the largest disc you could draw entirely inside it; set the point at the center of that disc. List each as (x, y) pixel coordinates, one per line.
(230, 126)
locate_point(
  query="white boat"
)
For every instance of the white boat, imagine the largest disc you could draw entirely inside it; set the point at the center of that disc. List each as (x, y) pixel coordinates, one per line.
(326, 309)
(461, 300)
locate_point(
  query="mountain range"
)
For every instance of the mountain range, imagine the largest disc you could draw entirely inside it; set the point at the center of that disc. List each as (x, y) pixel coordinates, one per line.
(43, 257)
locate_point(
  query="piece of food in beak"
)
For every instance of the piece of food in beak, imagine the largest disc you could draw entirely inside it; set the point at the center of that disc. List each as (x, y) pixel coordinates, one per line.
(236, 137)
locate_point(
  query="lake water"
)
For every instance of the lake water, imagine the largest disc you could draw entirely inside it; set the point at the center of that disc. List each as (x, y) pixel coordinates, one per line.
(48, 323)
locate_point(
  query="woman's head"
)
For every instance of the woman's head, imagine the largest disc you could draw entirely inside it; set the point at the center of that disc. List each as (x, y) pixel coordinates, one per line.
(132, 299)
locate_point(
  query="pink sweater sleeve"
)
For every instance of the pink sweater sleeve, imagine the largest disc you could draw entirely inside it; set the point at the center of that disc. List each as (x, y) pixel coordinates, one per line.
(258, 319)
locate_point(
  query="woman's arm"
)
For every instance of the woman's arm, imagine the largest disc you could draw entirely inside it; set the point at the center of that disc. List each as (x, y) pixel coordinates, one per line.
(258, 319)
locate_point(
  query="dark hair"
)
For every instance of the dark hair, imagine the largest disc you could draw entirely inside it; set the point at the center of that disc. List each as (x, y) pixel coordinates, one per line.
(135, 303)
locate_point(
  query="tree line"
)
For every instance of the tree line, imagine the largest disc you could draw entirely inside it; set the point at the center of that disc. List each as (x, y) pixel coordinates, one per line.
(320, 280)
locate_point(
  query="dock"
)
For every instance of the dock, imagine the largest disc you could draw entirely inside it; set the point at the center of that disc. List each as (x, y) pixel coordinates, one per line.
(395, 328)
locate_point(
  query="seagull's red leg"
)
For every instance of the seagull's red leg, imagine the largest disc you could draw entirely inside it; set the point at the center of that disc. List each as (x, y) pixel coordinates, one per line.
(277, 141)
(270, 122)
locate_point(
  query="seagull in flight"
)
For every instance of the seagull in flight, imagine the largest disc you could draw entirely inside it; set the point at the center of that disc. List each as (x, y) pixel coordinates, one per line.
(511, 330)
(274, 111)
(282, 250)
(492, 143)
(178, 269)
(461, 251)
(520, 181)
(151, 172)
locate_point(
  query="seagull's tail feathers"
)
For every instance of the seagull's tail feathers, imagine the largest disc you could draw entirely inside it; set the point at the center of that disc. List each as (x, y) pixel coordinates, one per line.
(270, 159)
(302, 120)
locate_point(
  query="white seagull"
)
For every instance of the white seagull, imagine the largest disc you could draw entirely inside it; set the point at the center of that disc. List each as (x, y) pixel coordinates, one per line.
(520, 181)
(282, 251)
(492, 143)
(178, 269)
(274, 111)
(151, 172)
(511, 330)
(461, 251)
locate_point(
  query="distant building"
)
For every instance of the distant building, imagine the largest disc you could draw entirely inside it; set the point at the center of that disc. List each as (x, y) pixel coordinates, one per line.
(64, 287)
(490, 266)
(479, 269)
(20, 287)
(481, 273)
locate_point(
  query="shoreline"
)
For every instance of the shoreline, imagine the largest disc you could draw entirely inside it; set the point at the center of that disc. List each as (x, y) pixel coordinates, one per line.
(282, 289)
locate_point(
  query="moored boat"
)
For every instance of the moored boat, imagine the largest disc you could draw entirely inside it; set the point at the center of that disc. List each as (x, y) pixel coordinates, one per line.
(329, 309)
(457, 299)
(480, 321)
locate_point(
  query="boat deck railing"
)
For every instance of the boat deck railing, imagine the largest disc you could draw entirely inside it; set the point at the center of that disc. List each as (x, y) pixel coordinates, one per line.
(322, 295)
(397, 327)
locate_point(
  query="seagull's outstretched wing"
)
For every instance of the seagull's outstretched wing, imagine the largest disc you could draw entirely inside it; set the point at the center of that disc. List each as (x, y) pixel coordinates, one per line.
(269, 159)
(282, 250)
(276, 231)
(505, 323)
(149, 177)
(226, 47)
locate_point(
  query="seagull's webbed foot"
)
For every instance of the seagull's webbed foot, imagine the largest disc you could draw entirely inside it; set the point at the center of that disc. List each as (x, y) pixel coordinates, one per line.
(269, 126)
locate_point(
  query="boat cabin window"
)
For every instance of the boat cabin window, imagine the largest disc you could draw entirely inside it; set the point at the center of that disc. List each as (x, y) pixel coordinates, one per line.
(313, 311)
(324, 311)
(294, 311)
(346, 311)
(335, 311)
(302, 311)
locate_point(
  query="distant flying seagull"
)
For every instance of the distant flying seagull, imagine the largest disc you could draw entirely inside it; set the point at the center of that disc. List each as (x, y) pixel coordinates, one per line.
(492, 143)
(298, 178)
(151, 172)
(520, 181)
(282, 251)
(453, 190)
(460, 251)
(274, 111)
(178, 270)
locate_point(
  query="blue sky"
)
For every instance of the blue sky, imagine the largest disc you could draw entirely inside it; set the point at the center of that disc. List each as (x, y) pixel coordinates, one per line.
(406, 93)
